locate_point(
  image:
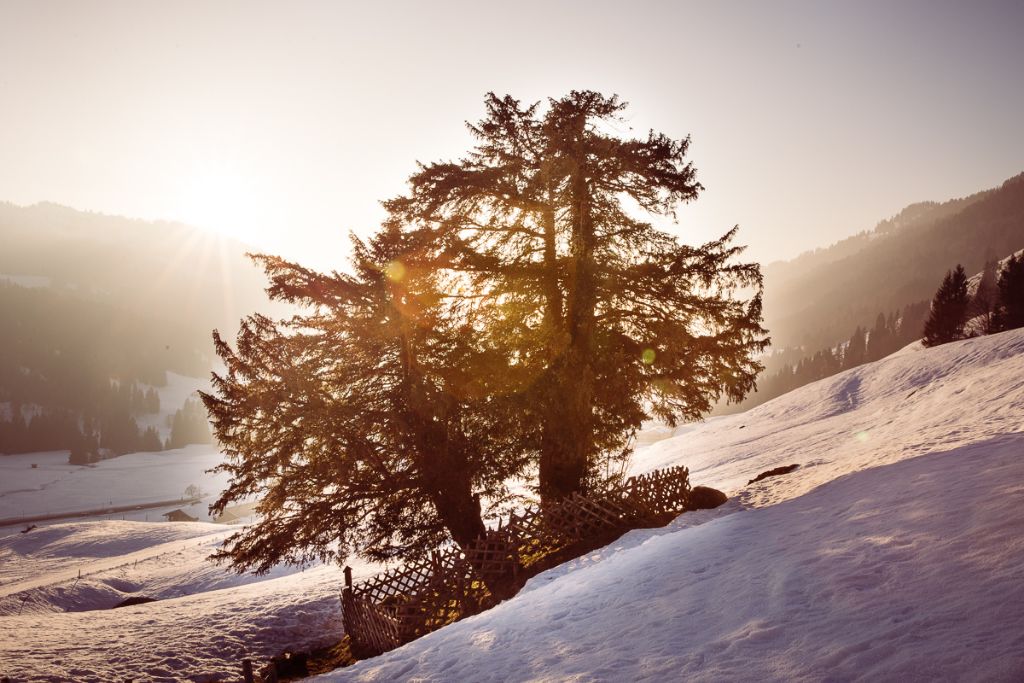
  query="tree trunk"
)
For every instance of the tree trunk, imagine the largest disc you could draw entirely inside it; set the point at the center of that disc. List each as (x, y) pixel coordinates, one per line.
(442, 462)
(459, 509)
(553, 304)
(445, 473)
(567, 438)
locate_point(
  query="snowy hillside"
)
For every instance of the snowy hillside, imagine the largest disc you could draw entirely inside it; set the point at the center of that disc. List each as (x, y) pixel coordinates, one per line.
(58, 583)
(894, 552)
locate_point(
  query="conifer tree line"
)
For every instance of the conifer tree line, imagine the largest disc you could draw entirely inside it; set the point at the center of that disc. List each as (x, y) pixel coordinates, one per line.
(899, 262)
(996, 305)
(514, 320)
(29, 427)
(110, 428)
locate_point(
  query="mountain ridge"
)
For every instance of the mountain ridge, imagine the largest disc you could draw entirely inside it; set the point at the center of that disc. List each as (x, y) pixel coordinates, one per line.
(899, 262)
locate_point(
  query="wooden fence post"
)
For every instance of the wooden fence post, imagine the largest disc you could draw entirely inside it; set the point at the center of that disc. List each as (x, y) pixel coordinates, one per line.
(247, 671)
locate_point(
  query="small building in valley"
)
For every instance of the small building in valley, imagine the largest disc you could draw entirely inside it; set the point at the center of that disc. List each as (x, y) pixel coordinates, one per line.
(179, 515)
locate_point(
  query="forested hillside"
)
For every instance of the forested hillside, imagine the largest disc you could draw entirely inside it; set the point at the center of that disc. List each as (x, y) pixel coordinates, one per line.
(818, 299)
(866, 296)
(97, 310)
(183, 275)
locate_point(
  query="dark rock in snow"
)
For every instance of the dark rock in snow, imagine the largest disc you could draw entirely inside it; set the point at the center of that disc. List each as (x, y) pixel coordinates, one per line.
(786, 469)
(291, 664)
(705, 498)
(134, 600)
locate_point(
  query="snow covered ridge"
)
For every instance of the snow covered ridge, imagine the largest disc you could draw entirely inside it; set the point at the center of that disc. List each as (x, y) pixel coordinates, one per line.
(894, 552)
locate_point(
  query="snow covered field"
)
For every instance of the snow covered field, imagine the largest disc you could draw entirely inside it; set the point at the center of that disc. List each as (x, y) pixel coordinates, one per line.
(54, 487)
(896, 551)
(205, 622)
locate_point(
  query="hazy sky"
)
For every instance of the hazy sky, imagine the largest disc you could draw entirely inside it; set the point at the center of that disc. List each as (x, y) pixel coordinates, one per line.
(285, 123)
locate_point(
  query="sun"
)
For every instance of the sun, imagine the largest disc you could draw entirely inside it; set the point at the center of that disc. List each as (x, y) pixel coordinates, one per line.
(224, 200)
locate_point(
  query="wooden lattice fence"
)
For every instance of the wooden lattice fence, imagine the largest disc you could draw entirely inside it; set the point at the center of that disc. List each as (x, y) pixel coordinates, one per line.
(404, 603)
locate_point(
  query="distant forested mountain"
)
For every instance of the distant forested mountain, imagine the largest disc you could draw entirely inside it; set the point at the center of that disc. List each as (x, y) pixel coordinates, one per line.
(823, 308)
(96, 310)
(170, 271)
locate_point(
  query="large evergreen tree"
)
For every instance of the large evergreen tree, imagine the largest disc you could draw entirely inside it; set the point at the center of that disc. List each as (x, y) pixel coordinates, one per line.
(948, 314)
(608, 319)
(517, 316)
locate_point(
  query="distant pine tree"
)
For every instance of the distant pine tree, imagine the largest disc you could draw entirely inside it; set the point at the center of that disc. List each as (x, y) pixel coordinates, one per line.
(189, 426)
(880, 339)
(856, 350)
(150, 440)
(136, 398)
(13, 433)
(152, 402)
(1009, 309)
(85, 449)
(119, 433)
(948, 314)
(79, 454)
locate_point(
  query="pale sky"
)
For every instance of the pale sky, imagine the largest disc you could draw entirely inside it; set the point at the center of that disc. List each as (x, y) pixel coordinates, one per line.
(284, 124)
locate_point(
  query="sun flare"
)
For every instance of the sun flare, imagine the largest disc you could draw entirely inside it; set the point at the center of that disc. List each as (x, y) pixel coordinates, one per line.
(222, 199)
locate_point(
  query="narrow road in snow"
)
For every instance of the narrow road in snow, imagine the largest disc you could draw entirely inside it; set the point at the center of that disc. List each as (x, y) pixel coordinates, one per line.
(106, 510)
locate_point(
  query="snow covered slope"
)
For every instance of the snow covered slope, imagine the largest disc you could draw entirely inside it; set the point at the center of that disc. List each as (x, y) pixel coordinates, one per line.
(895, 552)
(58, 583)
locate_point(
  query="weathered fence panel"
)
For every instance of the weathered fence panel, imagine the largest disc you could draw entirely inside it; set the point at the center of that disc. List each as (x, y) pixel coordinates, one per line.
(404, 603)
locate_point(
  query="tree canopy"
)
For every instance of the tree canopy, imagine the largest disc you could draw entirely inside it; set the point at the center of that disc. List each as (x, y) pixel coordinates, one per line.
(611, 319)
(517, 318)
